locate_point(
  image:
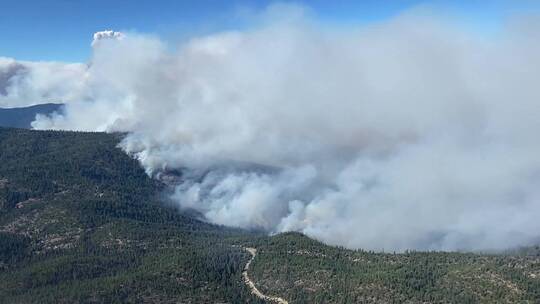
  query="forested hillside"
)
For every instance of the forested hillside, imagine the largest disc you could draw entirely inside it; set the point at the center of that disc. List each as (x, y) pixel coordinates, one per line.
(305, 271)
(80, 222)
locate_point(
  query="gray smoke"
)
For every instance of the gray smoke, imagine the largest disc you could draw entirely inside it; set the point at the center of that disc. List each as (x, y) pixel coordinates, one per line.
(107, 34)
(407, 134)
(9, 70)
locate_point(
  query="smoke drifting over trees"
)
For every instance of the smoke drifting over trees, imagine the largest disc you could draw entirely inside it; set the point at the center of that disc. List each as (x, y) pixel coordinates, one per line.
(410, 133)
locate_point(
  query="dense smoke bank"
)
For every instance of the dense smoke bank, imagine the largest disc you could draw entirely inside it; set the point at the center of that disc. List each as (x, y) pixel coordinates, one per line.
(408, 134)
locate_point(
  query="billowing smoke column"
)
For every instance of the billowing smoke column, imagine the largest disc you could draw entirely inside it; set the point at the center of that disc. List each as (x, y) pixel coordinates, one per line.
(24, 83)
(408, 134)
(108, 34)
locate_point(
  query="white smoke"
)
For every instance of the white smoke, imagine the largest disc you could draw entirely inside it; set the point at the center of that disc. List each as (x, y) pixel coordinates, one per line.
(106, 35)
(24, 83)
(411, 133)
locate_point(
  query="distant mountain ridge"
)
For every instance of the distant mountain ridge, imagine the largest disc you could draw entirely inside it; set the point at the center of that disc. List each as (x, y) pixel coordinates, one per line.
(23, 117)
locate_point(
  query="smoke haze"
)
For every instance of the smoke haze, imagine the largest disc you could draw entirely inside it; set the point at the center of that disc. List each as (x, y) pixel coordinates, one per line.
(27, 83)
(407, 134)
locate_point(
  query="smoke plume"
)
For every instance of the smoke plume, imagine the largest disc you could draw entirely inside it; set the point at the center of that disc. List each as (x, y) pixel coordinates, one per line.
(412, 133)
(108, 34)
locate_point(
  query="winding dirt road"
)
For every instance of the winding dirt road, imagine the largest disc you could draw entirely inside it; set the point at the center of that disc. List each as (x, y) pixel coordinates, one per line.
(251, 285)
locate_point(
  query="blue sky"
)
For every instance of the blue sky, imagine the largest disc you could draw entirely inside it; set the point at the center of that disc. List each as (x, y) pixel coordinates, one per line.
(61, 29)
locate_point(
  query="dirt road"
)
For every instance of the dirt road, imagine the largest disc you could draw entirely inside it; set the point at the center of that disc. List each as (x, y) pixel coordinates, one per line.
(251, 285)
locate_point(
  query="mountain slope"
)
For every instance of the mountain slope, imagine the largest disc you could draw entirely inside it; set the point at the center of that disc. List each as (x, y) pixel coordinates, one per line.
(80, 222)
(22, 117)
(302, 270)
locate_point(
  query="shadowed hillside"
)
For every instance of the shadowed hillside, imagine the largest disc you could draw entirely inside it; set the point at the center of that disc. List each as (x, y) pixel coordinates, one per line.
(22, 117)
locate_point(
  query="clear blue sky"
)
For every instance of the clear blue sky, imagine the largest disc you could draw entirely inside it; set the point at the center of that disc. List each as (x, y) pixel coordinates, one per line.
(62, 29)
